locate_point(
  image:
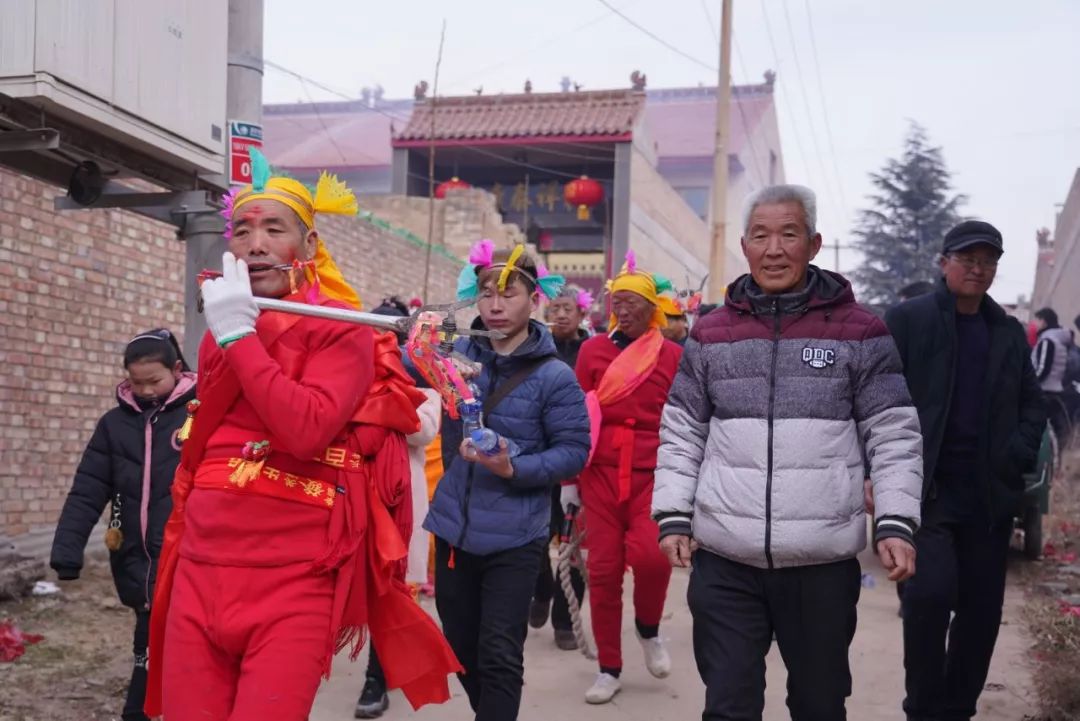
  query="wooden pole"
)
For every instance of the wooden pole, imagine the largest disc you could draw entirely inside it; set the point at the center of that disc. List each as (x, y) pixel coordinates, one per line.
(718, 246)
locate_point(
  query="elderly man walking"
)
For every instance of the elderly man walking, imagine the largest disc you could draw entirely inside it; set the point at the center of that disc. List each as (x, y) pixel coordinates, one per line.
(759, 487)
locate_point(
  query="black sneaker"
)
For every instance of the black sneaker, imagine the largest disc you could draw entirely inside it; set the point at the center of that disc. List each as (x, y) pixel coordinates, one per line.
(564, 639)
(538, 613)
(373, 700)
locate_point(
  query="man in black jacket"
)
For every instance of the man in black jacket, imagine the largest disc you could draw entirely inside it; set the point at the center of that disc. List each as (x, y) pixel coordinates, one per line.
(968, 369)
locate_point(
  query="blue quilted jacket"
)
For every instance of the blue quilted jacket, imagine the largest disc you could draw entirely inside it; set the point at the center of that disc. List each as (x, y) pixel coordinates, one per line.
(545, 415)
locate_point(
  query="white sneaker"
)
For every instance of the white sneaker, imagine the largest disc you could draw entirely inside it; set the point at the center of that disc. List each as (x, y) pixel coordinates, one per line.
(657, 659)
(604, 689)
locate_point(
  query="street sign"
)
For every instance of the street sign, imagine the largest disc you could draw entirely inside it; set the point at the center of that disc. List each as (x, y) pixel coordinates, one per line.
(242, 137)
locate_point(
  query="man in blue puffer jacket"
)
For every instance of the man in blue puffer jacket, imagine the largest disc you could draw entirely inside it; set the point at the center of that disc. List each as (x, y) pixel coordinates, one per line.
(491, 513)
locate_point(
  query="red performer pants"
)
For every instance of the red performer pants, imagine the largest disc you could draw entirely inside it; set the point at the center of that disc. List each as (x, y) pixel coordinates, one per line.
(245, 643)
(621, 534)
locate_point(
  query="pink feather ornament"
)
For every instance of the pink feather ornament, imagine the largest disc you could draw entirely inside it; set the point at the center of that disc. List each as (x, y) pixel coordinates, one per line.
(631, 262)
(482, 253)
(227, 201)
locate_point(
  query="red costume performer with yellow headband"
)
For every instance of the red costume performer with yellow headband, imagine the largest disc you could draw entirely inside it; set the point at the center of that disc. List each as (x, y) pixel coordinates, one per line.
(626, 375)
(282, 547)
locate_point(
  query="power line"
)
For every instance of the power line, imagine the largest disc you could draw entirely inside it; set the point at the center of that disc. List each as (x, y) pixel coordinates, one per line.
(806, 104)
(746, 125)
(776, 59)
(304, 78)
(325, 88)
(824, 105)
(326, 130)
(501, 64)
(657, 38)
(742, 111)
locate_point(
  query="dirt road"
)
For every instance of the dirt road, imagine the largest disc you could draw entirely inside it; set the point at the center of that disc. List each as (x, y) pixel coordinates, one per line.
(555, 681)
(80, 670)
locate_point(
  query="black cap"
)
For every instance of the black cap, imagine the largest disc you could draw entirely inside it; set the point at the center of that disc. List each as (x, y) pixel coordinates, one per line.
(969, 233)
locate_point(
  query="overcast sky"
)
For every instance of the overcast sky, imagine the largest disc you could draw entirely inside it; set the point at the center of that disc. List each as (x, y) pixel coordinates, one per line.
(993, 82)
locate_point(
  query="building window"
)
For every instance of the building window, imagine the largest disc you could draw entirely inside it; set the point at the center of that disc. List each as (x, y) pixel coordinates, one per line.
(772, 168)
(697, 199)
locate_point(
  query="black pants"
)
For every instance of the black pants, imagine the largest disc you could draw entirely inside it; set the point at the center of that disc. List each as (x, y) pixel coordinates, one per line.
(548, 588)
(1059, 412)
(483, 603)
(136, 693)
(738, 608)
(961, 571)
(374, 667)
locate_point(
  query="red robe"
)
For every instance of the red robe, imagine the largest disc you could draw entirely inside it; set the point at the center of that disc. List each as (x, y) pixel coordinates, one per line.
(616, 493)
(312, 388)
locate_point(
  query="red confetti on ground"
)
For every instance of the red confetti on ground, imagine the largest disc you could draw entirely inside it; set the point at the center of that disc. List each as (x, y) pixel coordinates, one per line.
(1049, 551)
(1070, 610)
(13, 641)
(1067, 558)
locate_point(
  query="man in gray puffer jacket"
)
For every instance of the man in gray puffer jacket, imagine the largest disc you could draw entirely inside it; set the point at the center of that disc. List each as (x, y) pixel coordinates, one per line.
(759, 485)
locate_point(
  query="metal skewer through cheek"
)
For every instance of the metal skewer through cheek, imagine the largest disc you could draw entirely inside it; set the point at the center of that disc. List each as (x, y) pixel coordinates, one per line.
(448, 327)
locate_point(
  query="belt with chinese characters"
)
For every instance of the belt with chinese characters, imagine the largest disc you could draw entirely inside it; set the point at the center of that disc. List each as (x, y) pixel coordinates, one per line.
(269, 481)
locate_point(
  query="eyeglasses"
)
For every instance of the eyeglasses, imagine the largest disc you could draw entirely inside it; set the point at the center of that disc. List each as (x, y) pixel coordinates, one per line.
(970, 263)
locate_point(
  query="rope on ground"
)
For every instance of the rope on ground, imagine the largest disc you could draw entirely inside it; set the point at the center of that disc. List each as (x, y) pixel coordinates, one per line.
(568, 558)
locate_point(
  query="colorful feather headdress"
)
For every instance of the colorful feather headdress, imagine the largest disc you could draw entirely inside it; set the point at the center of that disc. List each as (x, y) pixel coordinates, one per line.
(482, 257)
(331, 196)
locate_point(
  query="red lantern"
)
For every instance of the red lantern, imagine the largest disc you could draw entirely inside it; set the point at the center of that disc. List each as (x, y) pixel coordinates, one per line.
(584, 193)
(455, 183)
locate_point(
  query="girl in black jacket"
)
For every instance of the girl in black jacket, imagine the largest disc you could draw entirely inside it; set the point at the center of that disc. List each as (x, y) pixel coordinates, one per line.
(128, 467)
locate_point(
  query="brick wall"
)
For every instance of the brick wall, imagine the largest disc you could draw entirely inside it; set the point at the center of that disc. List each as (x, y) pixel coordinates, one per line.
(381, 261)
(75, 286)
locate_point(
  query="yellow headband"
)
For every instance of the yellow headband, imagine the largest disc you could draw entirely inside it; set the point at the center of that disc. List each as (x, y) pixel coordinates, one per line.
(643, 284)
(331, 196)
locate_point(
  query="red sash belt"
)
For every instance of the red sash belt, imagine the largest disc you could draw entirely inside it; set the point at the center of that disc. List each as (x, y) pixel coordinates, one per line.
(214, 474)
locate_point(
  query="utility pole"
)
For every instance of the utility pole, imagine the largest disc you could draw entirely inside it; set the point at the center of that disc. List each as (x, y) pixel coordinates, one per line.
(718, 247)
(203, 232)
(836, 247)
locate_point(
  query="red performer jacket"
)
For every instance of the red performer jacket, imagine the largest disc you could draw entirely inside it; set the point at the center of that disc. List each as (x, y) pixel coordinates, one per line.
(635, 419)
(334, 404)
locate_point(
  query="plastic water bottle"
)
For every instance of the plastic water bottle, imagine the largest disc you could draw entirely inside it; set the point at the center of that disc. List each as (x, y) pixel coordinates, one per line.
(472, 412)
(472, 417)
(486, 441)
(867, 581)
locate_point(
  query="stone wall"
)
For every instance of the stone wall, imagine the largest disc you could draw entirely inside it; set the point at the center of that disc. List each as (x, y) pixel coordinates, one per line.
(461, 219)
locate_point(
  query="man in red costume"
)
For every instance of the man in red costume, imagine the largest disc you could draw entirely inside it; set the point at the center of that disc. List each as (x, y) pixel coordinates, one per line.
(627, 373)
(281, 548)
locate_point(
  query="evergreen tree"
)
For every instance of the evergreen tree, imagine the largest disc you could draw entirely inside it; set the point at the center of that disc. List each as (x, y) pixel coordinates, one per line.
(900, 236)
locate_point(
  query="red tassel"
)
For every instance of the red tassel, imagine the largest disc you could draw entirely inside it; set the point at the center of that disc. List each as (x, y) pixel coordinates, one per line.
(450, 562)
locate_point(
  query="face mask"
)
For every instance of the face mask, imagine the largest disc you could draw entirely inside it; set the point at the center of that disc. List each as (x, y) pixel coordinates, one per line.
(146, 404)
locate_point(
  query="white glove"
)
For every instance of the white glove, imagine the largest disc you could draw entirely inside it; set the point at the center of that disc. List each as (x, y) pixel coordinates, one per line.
(228, 303)
(569, 496)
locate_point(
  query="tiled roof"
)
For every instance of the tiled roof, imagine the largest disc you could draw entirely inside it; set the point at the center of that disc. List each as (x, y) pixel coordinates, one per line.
(681, 121)
(587, 114)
